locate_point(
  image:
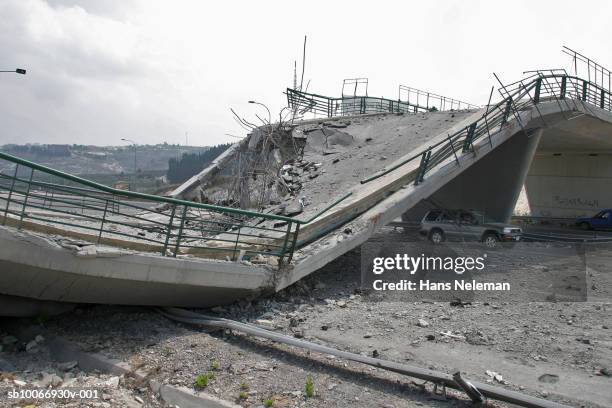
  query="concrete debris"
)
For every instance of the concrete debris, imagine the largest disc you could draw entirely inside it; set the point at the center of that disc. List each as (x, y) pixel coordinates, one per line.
(422, 323)
(294, 208)
(297, 173)
(112, 382)
(495, 376)
(48, 380)
(88, 251)
(452, 336)
(549, 378)
(477, 337)
(32, 346)
(337, 124)
(459, 303)
(68, 365)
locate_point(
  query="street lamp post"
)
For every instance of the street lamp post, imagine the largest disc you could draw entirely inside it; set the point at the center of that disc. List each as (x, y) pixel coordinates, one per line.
(266, 108)
(17, 71)
(134, 176)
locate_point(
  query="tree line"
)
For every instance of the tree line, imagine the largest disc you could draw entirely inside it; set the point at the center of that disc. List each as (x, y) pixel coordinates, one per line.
(53, 150)
(191, 163)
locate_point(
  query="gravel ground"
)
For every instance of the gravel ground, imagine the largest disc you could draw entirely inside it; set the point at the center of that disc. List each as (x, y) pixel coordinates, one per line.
(557, 350)
(29, 365)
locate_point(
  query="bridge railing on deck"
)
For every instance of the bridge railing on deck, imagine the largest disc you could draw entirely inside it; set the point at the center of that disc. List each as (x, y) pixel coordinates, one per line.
(303, 102)
(525, 94)
(430, 100)
(42, 199)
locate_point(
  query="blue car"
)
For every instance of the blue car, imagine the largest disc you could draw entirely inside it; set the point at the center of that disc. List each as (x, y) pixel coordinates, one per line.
(601, 220)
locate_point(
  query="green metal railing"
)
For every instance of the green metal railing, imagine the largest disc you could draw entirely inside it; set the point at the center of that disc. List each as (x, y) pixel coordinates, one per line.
(430, 100)
(304, 102)
(556, 87)
(40, 198)
(37, 197)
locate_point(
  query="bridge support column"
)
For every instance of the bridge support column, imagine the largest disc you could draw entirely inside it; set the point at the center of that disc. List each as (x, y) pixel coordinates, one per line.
(491, 185)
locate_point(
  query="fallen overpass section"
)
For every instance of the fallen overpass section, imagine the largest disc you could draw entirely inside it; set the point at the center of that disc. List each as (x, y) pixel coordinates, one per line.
(290, 198)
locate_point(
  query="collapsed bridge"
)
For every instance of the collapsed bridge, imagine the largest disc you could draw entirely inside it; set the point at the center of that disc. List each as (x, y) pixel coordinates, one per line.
(295, 195)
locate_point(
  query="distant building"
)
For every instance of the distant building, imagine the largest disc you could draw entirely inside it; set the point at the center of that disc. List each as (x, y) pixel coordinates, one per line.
(122, 185)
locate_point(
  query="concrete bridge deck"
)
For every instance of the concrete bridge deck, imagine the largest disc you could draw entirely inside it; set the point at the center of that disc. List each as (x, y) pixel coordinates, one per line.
(480, 160)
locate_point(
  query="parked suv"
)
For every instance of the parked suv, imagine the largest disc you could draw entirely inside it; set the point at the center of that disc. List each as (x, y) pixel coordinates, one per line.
(461, 225)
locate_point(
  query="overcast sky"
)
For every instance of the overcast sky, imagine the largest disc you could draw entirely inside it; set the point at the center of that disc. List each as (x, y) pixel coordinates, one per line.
(99, 71)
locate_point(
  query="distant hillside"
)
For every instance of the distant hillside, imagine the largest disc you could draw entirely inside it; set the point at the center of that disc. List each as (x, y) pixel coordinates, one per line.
(84, 160)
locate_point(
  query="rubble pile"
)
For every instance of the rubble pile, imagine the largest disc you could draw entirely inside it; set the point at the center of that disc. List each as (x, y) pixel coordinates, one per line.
(296, 173)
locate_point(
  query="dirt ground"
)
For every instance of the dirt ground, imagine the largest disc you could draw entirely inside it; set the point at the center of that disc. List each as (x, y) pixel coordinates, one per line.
(557, 350)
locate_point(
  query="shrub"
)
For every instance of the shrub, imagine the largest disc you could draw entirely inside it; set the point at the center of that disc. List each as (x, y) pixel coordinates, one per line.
(201, 381)
(310, 388)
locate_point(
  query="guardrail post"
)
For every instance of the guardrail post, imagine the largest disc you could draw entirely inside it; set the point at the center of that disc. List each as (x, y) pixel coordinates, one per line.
(178, 237)
(103, 219)
(603, 99)
(282, 255)
(450, 141)
(467, 143)
(235, 257)
(585, 87)
(362, 105)
(538, 87)
(170, 224)
(506, 112)
(422, 167)
(293, 243)
(563, 86)
(8, 199)
(25, 199)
